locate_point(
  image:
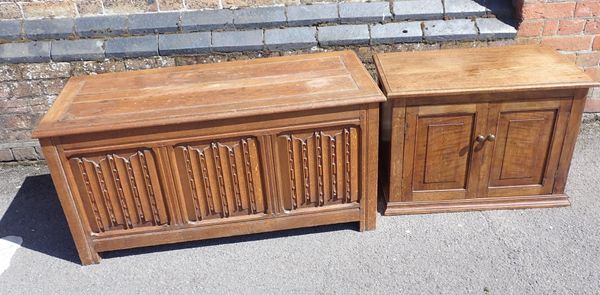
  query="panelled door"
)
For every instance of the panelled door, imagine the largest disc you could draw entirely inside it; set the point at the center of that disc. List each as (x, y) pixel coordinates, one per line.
(522, 147)
(442, 155)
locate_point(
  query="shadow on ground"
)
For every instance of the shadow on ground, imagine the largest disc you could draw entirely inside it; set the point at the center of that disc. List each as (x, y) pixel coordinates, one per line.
(35, 215)
(236, 239)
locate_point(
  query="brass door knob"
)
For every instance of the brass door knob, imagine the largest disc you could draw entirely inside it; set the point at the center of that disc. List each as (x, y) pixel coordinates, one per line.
(480, 138)
(491, 137)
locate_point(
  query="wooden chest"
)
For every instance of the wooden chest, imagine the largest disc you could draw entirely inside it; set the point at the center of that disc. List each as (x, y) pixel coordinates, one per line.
(475, 129)
(195, 152)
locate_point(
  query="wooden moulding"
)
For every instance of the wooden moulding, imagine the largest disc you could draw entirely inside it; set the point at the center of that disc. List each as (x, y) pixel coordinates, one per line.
(490, 133)
(482, 204)
(198, 152)
(259, 224)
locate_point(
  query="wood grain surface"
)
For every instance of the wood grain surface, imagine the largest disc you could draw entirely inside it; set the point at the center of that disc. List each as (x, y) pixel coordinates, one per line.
(479, 129)
(198, 152)
(199, 93)
(476, 70)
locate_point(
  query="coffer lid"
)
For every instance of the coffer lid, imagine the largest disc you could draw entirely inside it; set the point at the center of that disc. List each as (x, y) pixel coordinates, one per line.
(473, 70)
(197, 93)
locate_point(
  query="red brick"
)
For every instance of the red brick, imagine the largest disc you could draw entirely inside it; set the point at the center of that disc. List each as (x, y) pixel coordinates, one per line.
(592, 26)
(571, 26)
(588, 8)
(550, 27)
(558, 10)
(596, 44)
(532, 11)
(586, 60)
(569, 43)
(530, 28)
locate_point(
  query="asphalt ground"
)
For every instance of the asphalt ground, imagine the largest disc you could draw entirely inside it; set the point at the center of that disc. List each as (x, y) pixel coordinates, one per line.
(535, 251)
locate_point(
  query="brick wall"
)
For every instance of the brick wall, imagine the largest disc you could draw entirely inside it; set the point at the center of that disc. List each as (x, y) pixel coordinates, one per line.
(572, 27)
(28, 90)
(28, 87)
(74, 8)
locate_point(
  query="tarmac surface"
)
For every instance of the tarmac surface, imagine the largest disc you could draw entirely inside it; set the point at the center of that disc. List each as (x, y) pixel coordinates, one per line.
(535, 251)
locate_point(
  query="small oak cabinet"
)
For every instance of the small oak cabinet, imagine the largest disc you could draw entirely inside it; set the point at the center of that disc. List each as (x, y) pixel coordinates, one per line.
(186, 153)
(475, 129)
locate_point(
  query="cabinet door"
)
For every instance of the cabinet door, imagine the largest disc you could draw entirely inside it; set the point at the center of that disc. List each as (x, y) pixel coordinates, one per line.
(523, 158)
(442, 158)
(219, 179)
(318, 168)
(120, 190)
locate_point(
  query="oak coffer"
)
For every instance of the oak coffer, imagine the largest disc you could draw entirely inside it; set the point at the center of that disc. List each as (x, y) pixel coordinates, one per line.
(475, 129)
(195, 152)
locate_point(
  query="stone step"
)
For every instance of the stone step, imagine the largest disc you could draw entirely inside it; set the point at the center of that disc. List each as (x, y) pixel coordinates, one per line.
(106, 26)
(257, 39)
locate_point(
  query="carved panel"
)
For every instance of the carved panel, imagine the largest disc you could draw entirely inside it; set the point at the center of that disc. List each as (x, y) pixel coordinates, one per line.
(120, 191)
(319, 168)
(220, 179)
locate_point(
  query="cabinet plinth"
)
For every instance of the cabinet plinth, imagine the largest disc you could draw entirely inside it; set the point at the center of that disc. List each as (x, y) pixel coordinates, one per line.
(478, 129)
(196, 152)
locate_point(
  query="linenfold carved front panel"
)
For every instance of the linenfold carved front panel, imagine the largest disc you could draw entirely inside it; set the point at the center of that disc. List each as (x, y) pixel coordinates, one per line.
(319, 168)
(220, 179)
(120, 191)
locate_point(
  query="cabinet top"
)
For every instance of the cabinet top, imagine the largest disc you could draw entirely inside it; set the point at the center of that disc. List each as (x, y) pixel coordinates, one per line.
(476, 70)
(196, 93)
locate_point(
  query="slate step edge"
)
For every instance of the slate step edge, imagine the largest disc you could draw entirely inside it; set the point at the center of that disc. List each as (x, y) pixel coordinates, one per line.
(256, 40)
(106, 26)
